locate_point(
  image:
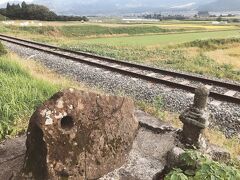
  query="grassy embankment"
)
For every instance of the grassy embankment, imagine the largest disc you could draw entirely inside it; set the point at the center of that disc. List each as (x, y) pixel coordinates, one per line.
(194, 58)
(20, 95)
(24, 85)
(75, 30)
(161, 50)
(83, 31)
(2, 18)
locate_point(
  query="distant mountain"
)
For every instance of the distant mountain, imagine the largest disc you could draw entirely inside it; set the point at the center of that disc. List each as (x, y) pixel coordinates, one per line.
(118, 7)
(93, 7)
(222, 5)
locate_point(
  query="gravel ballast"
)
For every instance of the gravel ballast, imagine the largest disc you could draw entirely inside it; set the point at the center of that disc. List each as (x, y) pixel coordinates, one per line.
(225, 116)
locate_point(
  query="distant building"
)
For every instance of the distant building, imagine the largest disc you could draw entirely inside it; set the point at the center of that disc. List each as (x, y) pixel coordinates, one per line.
(215, 22)
(219, 22)
(203, 14)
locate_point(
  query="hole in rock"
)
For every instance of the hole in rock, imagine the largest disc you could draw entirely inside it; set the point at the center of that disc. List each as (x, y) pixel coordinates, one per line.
(67, 123)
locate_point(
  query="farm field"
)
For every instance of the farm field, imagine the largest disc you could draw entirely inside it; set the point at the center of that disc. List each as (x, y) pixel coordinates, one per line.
(185, 46)
(162, 40)
(78, 29)
(228, 56)
(207, 26)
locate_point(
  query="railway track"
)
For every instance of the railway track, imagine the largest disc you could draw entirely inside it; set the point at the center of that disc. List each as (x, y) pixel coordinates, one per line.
(219, 91)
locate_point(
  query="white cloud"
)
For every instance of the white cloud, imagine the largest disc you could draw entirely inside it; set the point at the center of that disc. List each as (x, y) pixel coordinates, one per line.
(184, 5)
(133, 5)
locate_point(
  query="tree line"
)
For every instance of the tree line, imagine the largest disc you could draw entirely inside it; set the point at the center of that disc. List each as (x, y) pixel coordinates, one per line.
(162, 17)
(26, 11)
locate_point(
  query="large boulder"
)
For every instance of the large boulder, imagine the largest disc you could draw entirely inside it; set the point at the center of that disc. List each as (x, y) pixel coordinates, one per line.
(79, 135)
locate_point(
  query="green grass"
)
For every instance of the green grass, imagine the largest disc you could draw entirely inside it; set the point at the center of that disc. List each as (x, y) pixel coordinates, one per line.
(87, 30)
(201, 64)
(195, 166)
(20, 94)
(45, 30)
(126, 53)
(168, 58)
(161, 40)
(211, 44)
(2, 18)
(2, 50)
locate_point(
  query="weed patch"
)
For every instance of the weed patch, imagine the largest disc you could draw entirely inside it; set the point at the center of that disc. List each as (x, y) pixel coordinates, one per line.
(86, 30)
(201, 64)
(176, 59)
(211, 44)
(2, 50)
(20, 94)
(197, 166)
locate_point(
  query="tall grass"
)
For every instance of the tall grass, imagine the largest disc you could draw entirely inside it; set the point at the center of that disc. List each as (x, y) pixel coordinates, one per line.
(86, 30)
(2, 50)
(201, 64)
(2, 18)
(20, 94)
(211, 44)
(169, 58)
(95, 30)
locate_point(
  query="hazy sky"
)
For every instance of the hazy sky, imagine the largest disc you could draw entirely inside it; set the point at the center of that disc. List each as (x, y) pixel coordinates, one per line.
(4, 1)
(118, 3)
(92, 1)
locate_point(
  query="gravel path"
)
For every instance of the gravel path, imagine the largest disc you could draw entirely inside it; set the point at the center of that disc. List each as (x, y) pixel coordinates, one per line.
(225, 116)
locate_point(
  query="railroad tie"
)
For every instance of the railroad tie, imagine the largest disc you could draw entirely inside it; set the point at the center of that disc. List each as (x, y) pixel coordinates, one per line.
(230, 93)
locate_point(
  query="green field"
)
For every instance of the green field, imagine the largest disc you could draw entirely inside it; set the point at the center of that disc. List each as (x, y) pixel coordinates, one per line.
(75, 31)
(84, 30)
(162, 40)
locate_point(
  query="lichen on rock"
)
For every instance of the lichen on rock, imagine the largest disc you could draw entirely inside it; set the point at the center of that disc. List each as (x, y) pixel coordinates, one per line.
(79, 135)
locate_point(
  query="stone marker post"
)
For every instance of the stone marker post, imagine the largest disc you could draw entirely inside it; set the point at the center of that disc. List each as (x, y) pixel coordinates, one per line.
(195, 119)
(79, 135)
